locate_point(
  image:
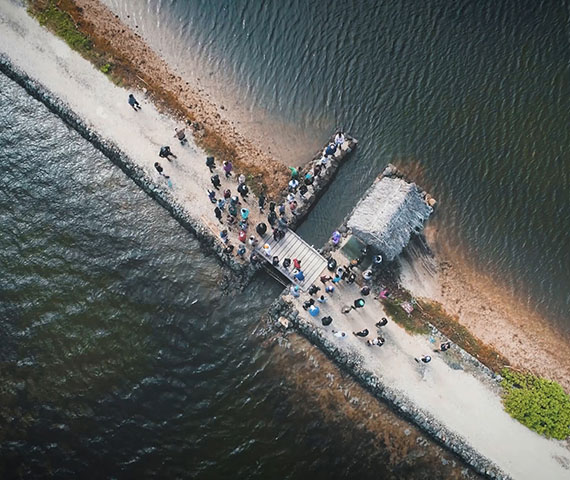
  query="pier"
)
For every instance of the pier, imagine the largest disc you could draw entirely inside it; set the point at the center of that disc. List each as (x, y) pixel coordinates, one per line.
(292, 246)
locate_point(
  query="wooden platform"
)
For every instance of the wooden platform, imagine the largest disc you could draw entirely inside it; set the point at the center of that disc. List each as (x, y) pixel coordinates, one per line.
(293, 246)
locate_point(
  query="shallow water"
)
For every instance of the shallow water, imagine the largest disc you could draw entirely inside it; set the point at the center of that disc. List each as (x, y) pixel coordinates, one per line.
(473, 96)
(122, 358)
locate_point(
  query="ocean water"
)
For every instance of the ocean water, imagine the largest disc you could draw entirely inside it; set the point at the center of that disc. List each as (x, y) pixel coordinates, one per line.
(123, 358)
(473, 97)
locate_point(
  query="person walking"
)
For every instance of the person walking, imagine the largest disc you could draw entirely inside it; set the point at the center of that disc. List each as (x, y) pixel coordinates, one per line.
(211, 195)
(382, 323)
(160, 170)
(423, 358)
(378, 341)
(211, 163)
(362, 333)
(358, 303)
(133, 103)
(218, 214)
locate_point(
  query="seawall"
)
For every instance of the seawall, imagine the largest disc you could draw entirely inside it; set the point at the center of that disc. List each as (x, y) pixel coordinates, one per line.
(210, 245)
(352, 364)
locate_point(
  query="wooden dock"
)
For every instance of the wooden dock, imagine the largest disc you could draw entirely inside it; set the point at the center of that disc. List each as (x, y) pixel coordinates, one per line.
(293, 246)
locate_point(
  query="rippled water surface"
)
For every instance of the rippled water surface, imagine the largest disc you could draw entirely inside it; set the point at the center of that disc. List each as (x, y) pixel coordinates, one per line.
(473, 95)
(122, 358)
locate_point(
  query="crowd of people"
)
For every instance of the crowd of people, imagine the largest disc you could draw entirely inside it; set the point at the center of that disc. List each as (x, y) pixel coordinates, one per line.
(349, 275)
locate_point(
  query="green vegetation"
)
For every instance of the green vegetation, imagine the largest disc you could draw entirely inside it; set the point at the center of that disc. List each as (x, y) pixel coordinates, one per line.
(61, 23)
(106, 68)
(412, 323)
(435, 314)
(540, 404)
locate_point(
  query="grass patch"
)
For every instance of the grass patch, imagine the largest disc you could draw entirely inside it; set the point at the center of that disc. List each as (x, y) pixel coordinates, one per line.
(538, 403)
(60, 22)
(412, 323)
(435, 314)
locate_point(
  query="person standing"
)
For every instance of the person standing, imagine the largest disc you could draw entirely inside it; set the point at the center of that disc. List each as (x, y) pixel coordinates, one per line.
(261, 202)
(133, 103)
(243, 191)
(180, 135)
(339, 138)
(218, 214)
(215, 179)
(228, 167)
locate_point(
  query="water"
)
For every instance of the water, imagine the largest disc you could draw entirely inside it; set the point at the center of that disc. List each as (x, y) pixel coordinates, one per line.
(122, 358)
(473, 95)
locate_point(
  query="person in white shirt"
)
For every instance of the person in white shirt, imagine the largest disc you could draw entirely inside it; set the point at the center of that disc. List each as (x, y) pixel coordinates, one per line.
(339, 334)
(339, 138)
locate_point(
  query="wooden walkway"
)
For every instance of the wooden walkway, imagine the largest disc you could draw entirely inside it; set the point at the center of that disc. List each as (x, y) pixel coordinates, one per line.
(293, 246)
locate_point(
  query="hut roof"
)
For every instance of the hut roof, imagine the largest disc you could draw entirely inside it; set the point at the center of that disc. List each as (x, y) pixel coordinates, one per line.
(390, 212)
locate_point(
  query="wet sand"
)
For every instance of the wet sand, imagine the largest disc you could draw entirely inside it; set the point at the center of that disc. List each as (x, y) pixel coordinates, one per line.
(489, 310)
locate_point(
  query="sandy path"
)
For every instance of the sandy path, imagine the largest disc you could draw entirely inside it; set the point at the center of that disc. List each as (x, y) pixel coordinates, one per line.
(467, 404)
(104, 107)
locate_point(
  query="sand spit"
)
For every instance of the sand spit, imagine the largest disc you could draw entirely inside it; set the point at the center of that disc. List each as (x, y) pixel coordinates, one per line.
(134, 138)
(145, 69)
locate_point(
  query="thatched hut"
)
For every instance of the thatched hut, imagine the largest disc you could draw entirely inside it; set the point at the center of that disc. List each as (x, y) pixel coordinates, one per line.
(390, 212)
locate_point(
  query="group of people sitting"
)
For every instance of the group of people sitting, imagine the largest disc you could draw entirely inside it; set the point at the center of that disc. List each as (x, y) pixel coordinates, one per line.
(301, 182)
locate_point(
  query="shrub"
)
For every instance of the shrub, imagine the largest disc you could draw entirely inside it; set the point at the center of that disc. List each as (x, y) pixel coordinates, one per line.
(540, 404)
(106, 68)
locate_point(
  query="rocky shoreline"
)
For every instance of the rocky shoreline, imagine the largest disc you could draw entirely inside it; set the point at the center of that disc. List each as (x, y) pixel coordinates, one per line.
(242, 271)
(209, 244)
(351, 363)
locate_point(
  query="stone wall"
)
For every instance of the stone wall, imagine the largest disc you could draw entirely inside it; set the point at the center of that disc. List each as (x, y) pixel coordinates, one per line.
(242, 272)
(351, 363)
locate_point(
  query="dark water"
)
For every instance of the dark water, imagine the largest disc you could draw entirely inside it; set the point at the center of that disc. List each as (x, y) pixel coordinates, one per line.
(122, 358)
(474, 95)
